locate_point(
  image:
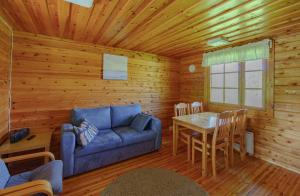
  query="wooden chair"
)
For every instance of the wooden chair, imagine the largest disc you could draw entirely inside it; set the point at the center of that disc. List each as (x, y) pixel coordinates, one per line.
(185, 135)
(219, 140)
(238, 133)
(30, 187)
(196, 107)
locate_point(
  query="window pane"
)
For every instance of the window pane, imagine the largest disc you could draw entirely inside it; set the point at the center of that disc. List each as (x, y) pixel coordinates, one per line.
(232, 67)
(217, 80)
(231, 80)
(254, 65)
(217, 68)
(253, 98)
(253, 79)
(232, 96)
(216, 95)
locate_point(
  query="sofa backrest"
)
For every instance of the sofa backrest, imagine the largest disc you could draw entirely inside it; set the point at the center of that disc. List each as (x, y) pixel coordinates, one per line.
(100, 117)
(123, 115)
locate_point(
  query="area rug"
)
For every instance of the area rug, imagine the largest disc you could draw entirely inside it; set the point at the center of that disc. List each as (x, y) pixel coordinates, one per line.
(153, 182)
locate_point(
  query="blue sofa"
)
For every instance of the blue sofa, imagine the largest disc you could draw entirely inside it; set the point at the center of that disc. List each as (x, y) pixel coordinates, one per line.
(116, 140)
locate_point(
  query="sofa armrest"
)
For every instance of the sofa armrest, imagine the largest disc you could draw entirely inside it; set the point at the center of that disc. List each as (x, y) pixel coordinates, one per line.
(29, 188)
(156, 126)
(67, 148)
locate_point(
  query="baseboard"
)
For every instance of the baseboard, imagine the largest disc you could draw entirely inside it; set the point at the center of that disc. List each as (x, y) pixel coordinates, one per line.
(278, 164)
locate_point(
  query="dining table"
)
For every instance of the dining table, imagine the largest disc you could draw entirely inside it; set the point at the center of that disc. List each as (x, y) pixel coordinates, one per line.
(203, 123)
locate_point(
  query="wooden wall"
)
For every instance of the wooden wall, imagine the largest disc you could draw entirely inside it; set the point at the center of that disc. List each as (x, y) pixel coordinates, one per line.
(5, 64)
(51, 76)
(277, 139)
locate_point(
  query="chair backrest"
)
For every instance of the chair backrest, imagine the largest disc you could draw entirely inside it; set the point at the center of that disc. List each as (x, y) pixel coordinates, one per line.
(223, 126)
(4, 174)
(181, 109)
(240, 118)
(196, 107)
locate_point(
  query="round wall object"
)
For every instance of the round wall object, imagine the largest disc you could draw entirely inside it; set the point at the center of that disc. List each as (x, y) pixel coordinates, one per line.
(192, 68)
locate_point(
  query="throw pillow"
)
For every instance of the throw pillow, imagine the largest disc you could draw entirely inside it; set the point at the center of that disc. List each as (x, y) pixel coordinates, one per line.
(85, 133)
(140, 121)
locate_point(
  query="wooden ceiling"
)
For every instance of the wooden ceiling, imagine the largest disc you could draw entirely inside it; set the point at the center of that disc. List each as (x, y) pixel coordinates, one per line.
(174, 28)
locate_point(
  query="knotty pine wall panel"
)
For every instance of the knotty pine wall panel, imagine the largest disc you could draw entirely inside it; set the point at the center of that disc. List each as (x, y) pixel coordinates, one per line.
(277, 139)
(51, 76)
(5, 63)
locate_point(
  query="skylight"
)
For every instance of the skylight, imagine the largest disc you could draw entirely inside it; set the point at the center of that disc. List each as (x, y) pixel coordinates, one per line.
(84, 3)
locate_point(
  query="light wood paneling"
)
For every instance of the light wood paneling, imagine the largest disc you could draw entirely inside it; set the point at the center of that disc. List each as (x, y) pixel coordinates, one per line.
(5, 65)
(252, 177)
(174, 28)
(276, 139)
(51, 76)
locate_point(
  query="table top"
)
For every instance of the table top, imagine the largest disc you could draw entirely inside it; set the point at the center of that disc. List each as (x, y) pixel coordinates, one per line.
(204, 120)
(41, 140)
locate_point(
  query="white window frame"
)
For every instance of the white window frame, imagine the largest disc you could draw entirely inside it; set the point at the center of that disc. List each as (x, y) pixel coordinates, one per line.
(241, 86)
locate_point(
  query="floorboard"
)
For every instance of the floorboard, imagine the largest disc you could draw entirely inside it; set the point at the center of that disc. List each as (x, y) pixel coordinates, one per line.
(251, 177)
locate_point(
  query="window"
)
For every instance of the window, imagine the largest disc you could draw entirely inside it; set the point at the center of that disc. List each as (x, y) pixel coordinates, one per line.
(238, 83)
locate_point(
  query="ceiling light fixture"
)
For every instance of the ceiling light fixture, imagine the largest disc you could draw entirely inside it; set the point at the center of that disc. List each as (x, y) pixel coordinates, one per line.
(84, 3)
(219, 41)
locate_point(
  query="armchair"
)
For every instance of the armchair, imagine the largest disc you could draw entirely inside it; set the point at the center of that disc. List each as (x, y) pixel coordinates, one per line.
(46, 179)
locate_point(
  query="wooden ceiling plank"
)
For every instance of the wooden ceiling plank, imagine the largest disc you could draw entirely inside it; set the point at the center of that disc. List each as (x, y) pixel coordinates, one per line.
(270, 21)
(131, 21)
(200, 19)
(94, 17)
(122, 20)
(160, 20)
(236, 19)
(100, 21)
(258, 34)
(11, 8)
(63, 10)
(84, 14)
(198, 37)
(52, 9)
(120, 9)
(41, 15)
(25, 15)
(177, 20)
(7, 17)
(149, 13)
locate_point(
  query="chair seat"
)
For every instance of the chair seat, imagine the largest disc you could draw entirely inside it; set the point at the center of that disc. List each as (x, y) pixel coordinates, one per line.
(104, 140)
(131, 136)
(52, 172)
(219, 145)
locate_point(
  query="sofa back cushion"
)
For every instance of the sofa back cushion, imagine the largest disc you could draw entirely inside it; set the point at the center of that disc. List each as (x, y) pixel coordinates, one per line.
(140, 121)
(99, 117)
(123, 115)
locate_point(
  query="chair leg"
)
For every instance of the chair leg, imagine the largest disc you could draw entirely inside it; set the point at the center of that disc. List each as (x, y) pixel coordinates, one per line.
(193, 152)
(213, 161)
(242, 148)
(226, 155)
(231, 151)
(189, 148)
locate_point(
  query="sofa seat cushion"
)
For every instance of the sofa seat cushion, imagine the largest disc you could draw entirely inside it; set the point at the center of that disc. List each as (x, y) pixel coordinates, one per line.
(131, 136)
(104, 140)
(19, 179)
(100, 117)
(123, 115)
(51, 172)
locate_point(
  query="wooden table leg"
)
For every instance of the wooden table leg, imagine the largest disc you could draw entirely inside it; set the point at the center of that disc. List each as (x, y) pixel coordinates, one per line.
(175, 138)
(204, 154)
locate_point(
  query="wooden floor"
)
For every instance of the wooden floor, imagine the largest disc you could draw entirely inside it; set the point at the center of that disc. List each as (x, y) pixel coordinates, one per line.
(252, 177)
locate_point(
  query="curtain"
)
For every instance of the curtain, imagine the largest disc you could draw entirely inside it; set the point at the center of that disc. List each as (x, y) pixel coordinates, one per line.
(251, 51)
